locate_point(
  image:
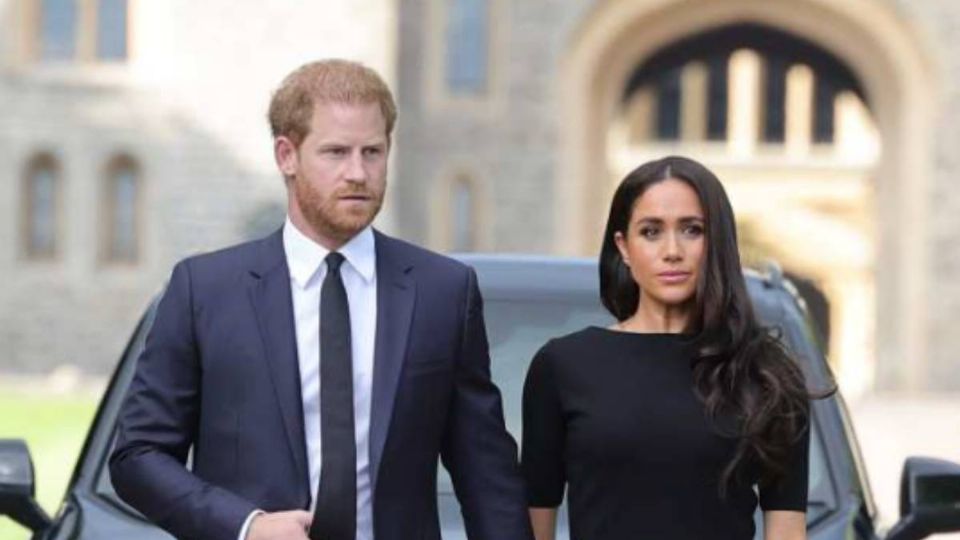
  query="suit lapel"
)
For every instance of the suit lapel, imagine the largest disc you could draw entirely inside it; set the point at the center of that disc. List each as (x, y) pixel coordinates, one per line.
(272, 300)
(396, 294)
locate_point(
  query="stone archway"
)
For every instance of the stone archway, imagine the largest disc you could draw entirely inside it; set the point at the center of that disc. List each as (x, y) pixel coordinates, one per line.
(868, 37)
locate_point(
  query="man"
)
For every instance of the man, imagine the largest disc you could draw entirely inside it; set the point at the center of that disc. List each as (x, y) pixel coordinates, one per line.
(319, 373)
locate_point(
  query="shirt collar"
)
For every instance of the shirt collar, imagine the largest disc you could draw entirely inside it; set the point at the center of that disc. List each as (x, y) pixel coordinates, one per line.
(305, 257)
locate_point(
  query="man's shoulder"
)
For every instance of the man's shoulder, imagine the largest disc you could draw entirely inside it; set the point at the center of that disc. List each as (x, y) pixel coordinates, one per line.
(245, 256)
(419, 256)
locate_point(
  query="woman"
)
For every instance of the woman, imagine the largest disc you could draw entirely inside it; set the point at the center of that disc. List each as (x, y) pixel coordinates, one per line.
(661, 425)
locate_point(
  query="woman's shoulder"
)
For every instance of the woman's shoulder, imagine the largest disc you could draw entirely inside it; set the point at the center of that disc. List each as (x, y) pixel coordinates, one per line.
(573, 344)
(561, 354)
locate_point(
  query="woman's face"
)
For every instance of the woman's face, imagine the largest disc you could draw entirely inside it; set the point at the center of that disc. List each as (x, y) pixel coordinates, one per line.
(665, 243)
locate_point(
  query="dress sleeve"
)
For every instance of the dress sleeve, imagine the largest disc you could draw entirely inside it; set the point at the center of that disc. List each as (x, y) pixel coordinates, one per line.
(790, 492)
(543, 434)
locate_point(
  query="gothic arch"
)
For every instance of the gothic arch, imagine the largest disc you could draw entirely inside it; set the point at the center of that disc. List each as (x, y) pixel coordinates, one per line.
(897, 75)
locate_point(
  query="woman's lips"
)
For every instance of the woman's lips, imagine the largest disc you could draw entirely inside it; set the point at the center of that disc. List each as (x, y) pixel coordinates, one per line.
(673, 276)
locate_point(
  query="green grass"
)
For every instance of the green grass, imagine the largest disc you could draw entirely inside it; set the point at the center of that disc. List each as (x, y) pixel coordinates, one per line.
(54, 427)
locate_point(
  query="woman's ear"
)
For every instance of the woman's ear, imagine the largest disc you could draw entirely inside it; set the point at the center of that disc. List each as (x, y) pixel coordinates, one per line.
(622, 247)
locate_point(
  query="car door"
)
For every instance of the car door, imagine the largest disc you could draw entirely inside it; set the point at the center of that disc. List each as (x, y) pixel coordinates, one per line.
(91, 510)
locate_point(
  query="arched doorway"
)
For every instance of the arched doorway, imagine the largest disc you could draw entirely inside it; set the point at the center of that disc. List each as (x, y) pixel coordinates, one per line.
(616, 37)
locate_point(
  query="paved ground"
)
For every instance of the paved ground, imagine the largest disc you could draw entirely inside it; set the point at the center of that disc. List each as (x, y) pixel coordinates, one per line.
(891, 428)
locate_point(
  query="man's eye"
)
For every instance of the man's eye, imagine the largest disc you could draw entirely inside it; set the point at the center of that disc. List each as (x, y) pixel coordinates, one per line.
(336, 151)
(372, 151)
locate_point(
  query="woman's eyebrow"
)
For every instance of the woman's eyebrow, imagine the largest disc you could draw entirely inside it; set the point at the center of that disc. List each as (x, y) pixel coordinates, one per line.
(658, 220)
(649, 219)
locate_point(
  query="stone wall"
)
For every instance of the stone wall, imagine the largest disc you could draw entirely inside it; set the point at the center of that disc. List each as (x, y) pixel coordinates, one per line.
(190, 110)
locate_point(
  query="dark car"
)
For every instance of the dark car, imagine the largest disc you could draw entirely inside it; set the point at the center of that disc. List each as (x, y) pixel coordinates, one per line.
(527, 301)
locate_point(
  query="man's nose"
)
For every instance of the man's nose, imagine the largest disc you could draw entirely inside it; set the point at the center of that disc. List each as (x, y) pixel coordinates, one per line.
(356, 170)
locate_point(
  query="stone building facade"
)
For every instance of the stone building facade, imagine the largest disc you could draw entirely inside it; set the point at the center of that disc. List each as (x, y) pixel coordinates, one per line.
(180, 98)
(517, 118)
(873, 222)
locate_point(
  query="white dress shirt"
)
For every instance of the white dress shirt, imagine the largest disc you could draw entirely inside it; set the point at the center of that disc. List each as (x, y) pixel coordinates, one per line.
(305, 259)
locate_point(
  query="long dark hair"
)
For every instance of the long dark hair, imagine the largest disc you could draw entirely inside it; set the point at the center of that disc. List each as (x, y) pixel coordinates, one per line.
(742, 372)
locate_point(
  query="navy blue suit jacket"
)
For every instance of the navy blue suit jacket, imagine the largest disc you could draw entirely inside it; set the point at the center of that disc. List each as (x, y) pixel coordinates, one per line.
(220, 374)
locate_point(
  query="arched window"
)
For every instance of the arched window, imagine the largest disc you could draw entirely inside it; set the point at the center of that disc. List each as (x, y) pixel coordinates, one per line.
(467, 46)
(58, 29)
(463, 215)
(41, 198)
(121, 227)
(112, 29)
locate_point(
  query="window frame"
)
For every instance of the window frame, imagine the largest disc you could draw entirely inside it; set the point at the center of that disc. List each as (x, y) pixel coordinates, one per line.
(39, 162)
(86, 46)
(108, 216)
(438, 95)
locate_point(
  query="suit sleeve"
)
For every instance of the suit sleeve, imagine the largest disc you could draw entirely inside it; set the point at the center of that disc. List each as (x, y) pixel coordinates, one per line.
(158, 424)
(479, 453)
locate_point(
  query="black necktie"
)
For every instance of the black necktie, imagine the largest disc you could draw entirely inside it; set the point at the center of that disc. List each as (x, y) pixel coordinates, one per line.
(335, 516)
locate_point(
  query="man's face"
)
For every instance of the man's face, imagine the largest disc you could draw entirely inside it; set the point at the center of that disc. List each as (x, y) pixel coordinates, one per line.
(336, 179)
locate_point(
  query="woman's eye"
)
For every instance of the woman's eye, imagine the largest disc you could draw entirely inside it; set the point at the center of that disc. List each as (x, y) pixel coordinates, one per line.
(649, 232)
(693, 230)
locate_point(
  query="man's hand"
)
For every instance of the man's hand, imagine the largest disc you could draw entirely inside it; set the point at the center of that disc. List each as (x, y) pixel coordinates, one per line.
(292, 525)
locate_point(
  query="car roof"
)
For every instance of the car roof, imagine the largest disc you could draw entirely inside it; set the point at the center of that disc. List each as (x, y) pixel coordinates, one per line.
(534, 276)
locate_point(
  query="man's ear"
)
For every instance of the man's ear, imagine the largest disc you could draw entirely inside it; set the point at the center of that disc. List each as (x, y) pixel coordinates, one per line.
(285, 154)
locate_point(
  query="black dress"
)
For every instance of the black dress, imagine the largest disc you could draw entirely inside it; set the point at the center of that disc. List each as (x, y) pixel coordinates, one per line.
(613, 417)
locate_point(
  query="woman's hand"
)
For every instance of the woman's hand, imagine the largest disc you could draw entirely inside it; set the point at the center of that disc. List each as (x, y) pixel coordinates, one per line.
(544, 521)
(783, 525)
